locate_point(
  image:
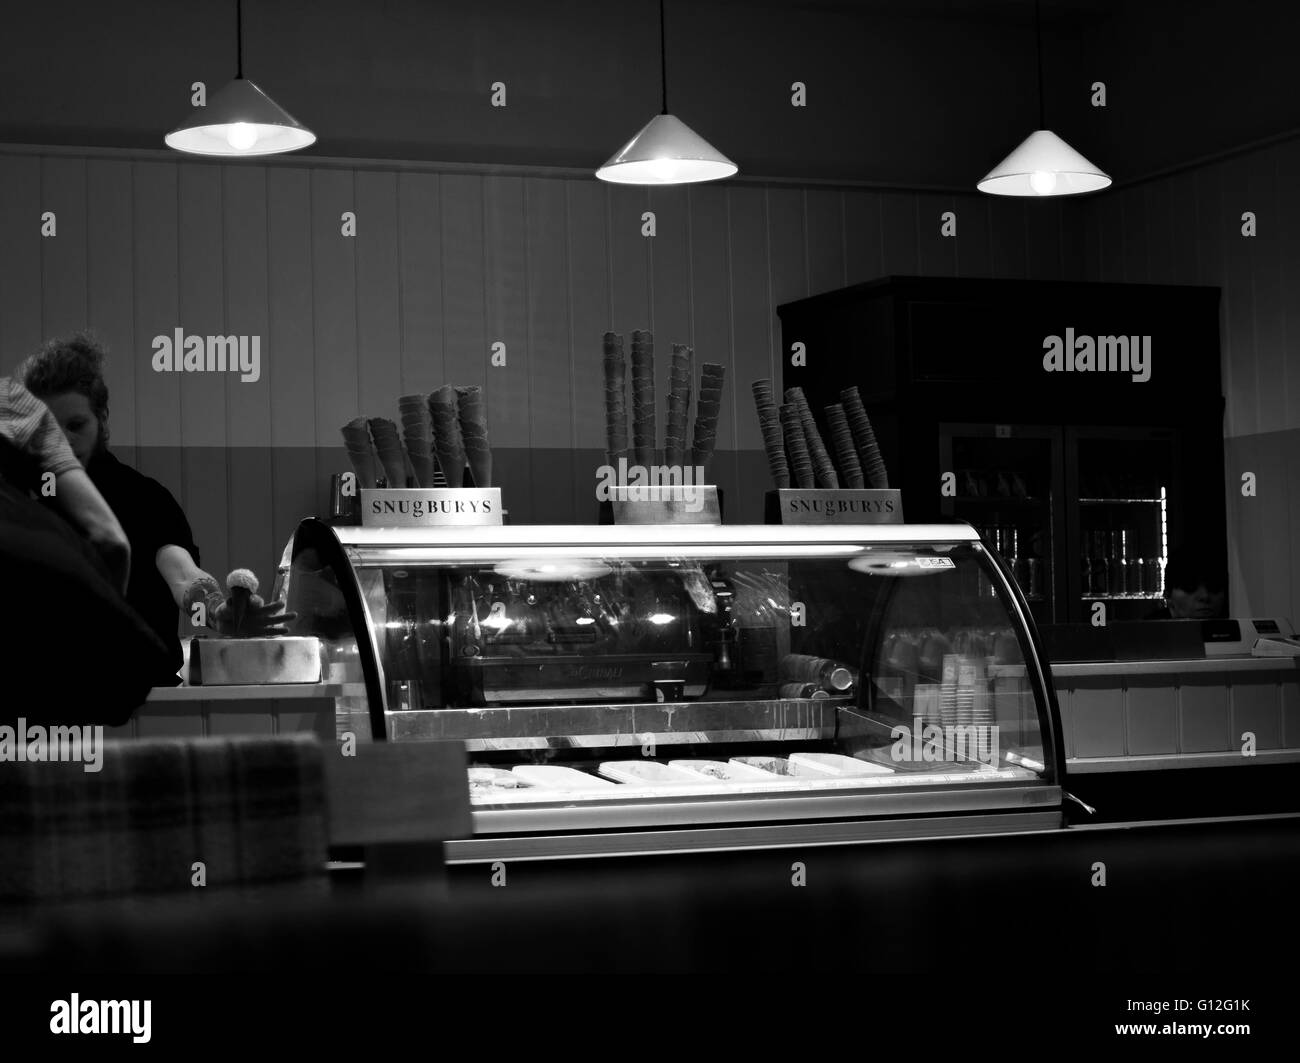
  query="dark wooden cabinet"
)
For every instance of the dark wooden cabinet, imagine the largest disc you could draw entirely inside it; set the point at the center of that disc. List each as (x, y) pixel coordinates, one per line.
(1069, 464)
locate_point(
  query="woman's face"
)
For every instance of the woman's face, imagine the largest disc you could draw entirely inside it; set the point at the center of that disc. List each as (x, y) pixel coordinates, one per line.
(78, 421)
(1199, 604)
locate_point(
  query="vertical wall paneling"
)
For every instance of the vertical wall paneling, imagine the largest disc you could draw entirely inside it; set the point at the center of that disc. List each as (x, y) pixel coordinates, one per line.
(248, 403)
(974, 248)
(1043, 239)
(1262, 197)
(505, 241)
(419, 234)
(1287, 379)
(334, 316)
(1179, 195)
(506, 247)
(711, 309)
(20, 265)
(862, 237)
(378, 294)
(589, 313)
(464, 343)
(936, 254)
(1110, 233)
(1239, 320)
(561, 498)
(1007, 223)
(898, 233)
(1134, 242)
(291, 373)
(205, 438)
(109, 295)
(63, 258)
(155, 260)
(1161, 244)
(787, 257)
(629, 271)
(669, 284)
(751, 301)
(824, 240)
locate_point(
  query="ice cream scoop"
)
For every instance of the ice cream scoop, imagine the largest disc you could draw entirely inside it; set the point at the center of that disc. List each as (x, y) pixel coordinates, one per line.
(241, 585)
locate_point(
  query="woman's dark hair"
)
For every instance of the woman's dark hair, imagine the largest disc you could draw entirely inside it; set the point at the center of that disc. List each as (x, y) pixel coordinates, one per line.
(74, 363)
(1191, 566)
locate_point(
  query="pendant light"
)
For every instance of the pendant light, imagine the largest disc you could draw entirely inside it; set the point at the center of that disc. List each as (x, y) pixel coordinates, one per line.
(666, 151)
(240, 119)
(1043, 164)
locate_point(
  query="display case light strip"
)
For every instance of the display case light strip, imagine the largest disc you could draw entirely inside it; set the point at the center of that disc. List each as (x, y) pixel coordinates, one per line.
(608, 535)
(410, 554)
(1164, 540)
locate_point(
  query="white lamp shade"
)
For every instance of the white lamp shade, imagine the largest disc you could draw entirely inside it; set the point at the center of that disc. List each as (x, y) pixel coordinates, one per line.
(1043, 165)
(666, 152)
(240, 119)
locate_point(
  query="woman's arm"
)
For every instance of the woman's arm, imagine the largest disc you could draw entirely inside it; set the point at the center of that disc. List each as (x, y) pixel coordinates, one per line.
(179, 571)
(85, 508)
(190, 584)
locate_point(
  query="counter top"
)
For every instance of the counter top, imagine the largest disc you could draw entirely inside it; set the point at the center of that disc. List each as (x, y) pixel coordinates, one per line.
(260, 691)
(1201, 666)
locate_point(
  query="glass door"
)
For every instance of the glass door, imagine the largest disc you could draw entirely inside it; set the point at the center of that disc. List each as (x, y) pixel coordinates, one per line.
(1007, 481)
(1118, 519)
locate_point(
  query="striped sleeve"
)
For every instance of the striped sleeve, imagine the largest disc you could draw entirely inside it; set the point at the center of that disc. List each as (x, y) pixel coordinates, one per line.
(28, 423)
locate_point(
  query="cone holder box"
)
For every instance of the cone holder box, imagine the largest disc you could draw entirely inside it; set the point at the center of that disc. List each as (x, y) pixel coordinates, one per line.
(830, 506)
(430, 507)
(669, 504)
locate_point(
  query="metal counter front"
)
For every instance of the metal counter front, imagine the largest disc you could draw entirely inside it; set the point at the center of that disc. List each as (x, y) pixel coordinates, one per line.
(623, 690)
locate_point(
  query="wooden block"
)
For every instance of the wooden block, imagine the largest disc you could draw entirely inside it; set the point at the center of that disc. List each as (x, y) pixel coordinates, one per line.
(1151, 718)
(1098, 717)
(224, 718)
(1203, 717)
(1256, 707)
(169, 723)
(398, 792)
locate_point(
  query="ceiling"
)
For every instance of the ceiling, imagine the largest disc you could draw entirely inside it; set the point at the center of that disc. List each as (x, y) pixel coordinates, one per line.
(916, 93)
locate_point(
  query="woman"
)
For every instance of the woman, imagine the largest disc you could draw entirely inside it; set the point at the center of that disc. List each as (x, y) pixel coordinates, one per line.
(53, 569)
(1196, 586)
(165, 576)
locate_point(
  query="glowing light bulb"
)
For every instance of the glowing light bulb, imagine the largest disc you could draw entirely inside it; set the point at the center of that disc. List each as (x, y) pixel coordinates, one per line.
(1043, 182)
(241, 136)
(663, 169)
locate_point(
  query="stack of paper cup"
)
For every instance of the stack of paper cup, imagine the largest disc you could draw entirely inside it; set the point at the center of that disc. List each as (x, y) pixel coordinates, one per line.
(948, 690)
(965, 692)
(925, 704)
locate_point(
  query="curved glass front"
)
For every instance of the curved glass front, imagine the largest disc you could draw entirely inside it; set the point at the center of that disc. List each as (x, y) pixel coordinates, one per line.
(792, 664)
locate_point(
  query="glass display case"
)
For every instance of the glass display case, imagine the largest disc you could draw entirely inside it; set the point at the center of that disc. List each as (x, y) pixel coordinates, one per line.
(622, 689)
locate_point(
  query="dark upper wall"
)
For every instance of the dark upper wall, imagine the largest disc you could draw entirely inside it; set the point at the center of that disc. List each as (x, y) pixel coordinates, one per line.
(912, 94)
(1189, 79)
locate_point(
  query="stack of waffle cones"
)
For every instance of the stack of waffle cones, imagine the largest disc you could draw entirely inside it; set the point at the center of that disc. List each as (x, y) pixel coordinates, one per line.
(441, 434)
(794, 446)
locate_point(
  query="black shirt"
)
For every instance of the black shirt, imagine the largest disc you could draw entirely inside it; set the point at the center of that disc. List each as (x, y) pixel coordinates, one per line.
(75, 653)
(151, 519)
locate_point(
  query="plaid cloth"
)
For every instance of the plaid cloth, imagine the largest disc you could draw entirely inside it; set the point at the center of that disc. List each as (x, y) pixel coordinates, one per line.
(249, 809)
(30, 426)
